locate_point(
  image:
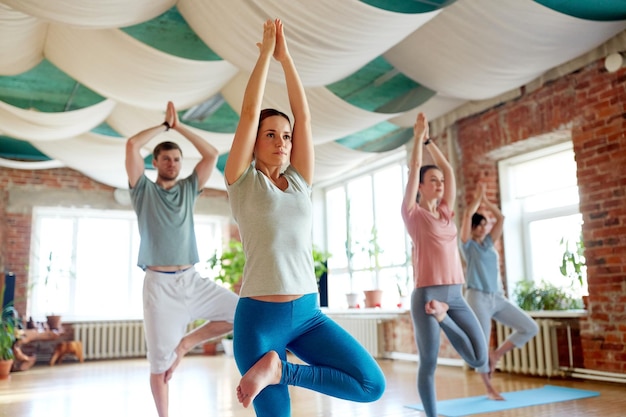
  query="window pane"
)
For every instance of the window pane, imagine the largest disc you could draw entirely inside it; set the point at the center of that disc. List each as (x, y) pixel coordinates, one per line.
(389, 225)
(336, 228)
(545, 174)
(363, 281)
(555, 198)
(338, 287)
(546, 249)
(361, 221)
(103, 256)
(52, 267)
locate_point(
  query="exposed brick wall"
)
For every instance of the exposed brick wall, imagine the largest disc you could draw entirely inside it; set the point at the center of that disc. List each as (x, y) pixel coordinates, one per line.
(592, 103)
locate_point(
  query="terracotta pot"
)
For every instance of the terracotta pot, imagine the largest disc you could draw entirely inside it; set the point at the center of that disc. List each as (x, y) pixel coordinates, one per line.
(210, 348)
(54, 322)
(373, 298)
(5, 369)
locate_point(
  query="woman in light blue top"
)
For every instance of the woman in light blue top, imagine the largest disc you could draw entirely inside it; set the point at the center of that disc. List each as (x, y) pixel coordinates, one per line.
(485, 292)
(268, 176)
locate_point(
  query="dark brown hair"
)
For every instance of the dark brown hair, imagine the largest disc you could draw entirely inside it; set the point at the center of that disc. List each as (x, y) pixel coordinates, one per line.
(265, 113)
(165, 146)
(477, 218)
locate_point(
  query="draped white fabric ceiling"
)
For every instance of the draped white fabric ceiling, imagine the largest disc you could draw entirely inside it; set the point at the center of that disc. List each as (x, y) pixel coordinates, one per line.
(466, 50)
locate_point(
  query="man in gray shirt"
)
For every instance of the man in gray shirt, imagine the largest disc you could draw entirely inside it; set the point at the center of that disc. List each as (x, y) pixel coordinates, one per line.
(174, 293)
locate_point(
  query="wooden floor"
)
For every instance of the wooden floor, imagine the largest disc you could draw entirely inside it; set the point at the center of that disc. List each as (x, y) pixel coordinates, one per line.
(204, 386)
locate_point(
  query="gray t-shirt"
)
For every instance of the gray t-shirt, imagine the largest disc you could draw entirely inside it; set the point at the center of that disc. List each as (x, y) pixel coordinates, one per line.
(275, 229)
(165, 219)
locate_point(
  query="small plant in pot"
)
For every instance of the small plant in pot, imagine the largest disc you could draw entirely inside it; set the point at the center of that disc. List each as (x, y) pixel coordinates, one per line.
(543, 296)
(373, 297)
(55, 281)
(8, 325)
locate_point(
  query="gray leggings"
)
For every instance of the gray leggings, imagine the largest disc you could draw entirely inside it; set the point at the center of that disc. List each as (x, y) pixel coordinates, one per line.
(460, 326)
(487, 305)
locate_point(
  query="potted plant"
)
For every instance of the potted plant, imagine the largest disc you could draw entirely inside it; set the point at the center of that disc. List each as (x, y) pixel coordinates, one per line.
(373, 298)
(229, 265)
(53, 282)
(320, 263)
(8, 324)
(544, 296)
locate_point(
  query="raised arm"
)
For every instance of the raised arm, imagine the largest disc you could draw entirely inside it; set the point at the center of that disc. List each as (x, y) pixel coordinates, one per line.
(134, 161)
(449, 190)
(302, 151)
(466, 223)
(420, 135)
(204, 168)
(242, 148)
(496, 230)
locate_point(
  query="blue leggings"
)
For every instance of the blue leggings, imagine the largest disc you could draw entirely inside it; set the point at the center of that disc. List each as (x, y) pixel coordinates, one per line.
(460, 326)
(337, 364)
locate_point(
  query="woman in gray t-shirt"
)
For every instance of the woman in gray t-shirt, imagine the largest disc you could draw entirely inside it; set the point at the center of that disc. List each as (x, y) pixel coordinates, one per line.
(268, 175)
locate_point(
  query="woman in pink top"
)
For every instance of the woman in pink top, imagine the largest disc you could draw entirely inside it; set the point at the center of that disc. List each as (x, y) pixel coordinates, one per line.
(437, 301)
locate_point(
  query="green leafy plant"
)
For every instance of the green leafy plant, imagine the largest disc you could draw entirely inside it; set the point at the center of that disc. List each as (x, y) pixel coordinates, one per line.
(545, 296)
(320, 262)
(229, 264)
(574, 264)
(8, 324)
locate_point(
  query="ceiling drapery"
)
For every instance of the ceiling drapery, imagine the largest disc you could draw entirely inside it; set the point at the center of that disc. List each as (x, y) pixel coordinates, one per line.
(78, 77)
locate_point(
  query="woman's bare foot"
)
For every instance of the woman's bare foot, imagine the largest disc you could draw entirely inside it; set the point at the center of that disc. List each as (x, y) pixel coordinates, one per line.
(437, 309)
(492, 394)
(267, 371)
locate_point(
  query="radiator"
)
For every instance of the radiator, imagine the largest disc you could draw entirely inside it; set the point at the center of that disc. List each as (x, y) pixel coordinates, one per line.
(366, 330)
(112, 339)
(537, 357)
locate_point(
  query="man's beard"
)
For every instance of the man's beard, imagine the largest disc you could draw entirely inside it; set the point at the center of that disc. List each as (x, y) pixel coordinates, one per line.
(166, 177)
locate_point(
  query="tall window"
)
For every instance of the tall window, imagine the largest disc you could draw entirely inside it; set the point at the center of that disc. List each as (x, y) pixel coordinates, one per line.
(366, 236)
(84, 263)
(541, 204)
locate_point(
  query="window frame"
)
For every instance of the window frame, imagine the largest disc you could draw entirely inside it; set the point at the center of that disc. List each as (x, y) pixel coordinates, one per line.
(516, 230)
(369, 170)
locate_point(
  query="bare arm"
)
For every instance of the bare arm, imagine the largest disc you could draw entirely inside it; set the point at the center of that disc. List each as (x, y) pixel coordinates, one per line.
(449, 193)
(134, 161)
(466, 224)
(302, 152)
(420, 135)
(496, 230)
(242, 148)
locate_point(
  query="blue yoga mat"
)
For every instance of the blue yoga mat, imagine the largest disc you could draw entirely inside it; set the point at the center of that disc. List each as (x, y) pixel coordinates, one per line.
(481, 404)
